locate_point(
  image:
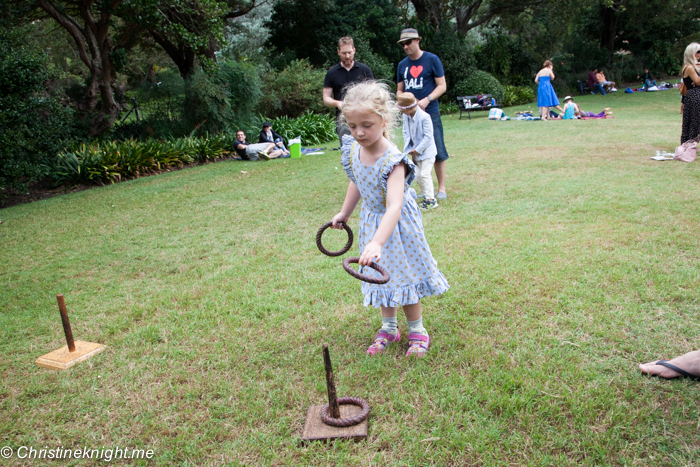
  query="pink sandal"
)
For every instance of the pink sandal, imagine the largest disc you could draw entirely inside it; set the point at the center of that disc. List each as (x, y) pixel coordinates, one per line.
(418, 345)
(382, 339)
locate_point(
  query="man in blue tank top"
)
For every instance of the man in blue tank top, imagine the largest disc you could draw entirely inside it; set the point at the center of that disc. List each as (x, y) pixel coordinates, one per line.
(421, 74)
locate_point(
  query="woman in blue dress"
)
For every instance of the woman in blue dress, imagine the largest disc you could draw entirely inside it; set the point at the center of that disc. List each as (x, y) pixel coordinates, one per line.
(546, 97)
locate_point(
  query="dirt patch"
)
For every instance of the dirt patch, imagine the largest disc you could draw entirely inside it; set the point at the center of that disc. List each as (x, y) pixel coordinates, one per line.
(36, 191)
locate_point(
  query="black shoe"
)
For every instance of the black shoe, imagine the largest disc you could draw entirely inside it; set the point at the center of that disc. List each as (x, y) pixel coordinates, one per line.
(428, 204)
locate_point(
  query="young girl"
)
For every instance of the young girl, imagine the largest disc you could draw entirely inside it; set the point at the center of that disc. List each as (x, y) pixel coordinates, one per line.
(572, 110)
(391, 227)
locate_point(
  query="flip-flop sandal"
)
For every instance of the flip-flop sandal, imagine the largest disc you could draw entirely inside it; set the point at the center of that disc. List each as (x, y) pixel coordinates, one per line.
(682, 372)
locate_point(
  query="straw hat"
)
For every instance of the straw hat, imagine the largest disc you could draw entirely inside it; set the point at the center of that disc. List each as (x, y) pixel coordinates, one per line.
(407, 34)
(568, 98)
(406, 101)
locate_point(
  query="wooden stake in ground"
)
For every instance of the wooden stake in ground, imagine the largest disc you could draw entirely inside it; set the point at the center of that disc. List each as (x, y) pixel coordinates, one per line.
(316, 430)
(74, 351)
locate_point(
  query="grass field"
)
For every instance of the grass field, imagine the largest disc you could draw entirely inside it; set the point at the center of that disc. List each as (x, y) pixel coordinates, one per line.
(572, 258)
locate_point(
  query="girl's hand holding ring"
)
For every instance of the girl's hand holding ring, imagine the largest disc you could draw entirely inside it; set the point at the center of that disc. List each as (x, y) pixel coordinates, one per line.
(340, 224)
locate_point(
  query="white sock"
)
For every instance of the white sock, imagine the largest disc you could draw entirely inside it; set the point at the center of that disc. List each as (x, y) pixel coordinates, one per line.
(390, 325)
(416, 327)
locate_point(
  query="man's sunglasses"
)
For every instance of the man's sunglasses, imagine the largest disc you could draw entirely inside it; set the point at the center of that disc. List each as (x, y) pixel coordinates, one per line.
(408, 42)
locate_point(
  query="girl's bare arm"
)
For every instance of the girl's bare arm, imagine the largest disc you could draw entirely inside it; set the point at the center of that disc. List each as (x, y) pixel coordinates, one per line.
(351, 198)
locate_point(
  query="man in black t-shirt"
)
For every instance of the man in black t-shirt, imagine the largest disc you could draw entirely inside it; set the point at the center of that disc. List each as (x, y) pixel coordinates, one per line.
(346, 72)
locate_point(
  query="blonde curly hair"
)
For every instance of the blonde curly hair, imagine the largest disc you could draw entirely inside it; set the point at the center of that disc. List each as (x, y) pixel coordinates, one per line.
(374, 97)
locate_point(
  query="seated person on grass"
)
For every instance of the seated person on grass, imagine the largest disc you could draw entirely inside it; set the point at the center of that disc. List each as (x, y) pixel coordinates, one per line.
(263, 151)
(572, 110)
(268, 135)
(648, 79)
(608, 85)
(593, 83)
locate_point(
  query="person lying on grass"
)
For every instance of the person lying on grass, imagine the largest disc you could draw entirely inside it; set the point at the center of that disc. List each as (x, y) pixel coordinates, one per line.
(391, 224)
(572, 110)
(264, 151)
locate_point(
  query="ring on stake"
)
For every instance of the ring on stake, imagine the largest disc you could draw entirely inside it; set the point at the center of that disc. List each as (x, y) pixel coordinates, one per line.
(350, 421)
(372, 280)
(342, 251)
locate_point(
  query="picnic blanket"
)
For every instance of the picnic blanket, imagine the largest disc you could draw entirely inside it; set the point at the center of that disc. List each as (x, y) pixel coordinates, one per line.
(311, 150)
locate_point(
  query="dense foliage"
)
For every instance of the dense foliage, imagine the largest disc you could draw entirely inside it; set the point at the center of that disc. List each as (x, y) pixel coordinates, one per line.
(480, 82)
(293, 91)
(211, 66)
(517, 95)
(34, 126)
(316, 26)
(110, 161)
(455, 53)
(313, 128)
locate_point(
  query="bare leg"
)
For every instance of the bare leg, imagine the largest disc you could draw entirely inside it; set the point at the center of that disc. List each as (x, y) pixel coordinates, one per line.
(275, 154)
(689, 362)
(412, 312)
(388, 311)
(440, 171)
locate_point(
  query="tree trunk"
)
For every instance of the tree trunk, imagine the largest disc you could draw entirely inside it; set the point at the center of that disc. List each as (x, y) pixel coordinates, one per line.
(429, 11)
(465, 14)
(94, 48)
(183, 56)
(151, 73)
(608, 19)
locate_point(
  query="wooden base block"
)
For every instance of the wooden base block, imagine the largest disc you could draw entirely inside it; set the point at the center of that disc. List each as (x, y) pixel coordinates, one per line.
(62, 359)
(316, 430)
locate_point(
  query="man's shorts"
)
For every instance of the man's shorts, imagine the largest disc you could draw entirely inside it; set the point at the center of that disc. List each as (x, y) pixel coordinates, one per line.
(439, 138)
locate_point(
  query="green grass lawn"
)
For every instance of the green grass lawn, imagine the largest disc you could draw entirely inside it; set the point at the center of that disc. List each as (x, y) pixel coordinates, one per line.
(572, 258)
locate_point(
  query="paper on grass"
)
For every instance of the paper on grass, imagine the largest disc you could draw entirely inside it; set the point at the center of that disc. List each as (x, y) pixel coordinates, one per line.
(662, 158)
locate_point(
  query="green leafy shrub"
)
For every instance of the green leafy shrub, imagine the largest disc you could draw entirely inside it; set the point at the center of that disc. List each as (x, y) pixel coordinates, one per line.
(494, 55)
(447, 108)
(455, 52)
(293, 91)
(33, 127)
(380, 66)
(313, 128)
(213, 101)
(480, 82)
(112, 161)
(517, 95)
(164, 99)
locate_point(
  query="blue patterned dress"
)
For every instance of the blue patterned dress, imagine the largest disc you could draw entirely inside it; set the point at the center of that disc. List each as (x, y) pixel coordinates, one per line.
(406, 255)
(546, 97)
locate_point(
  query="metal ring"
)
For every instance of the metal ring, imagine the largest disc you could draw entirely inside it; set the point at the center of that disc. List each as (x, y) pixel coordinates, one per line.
(372, 280)
(350, 421)
(342, 251)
